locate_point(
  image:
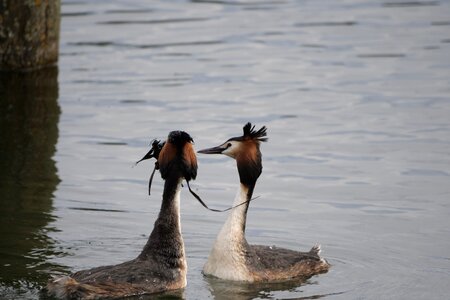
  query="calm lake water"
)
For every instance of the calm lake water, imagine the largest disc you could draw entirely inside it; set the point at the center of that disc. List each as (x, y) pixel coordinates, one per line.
(356, 98)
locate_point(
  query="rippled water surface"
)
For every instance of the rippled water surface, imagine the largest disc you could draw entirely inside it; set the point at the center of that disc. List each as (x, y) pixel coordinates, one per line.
(356, 98)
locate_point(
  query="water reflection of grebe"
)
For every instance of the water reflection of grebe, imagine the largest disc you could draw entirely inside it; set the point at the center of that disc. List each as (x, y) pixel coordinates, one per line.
(161, 266)
(232, 258)
(222, 289)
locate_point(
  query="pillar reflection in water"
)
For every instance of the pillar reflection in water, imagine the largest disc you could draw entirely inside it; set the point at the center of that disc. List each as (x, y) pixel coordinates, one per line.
(28, 134)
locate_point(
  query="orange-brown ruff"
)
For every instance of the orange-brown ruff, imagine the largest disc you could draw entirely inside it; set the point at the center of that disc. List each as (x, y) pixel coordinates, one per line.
(232, 258)
(161, 266)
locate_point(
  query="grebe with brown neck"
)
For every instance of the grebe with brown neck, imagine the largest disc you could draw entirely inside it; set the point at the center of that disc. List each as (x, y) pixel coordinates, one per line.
(161, 266)
(231, 257)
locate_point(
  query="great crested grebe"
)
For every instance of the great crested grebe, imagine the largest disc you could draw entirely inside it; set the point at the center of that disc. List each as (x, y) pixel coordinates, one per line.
(231, 257)
(161, 266)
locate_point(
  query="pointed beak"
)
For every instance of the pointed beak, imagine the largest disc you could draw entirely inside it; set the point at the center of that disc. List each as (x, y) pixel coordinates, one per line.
(213, 150)
(147, 156)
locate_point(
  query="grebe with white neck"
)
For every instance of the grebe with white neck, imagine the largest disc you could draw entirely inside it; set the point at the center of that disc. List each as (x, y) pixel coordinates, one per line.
(231, 257)
(161, 266)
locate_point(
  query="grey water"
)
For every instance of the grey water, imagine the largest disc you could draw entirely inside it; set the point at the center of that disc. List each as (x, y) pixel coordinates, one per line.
(356, 98)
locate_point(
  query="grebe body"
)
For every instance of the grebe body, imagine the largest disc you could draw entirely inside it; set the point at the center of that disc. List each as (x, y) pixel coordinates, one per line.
(161, 266)
(231, 257)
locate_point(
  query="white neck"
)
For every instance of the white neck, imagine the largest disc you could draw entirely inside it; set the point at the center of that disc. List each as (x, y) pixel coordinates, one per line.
(176, 201)
(227, 258)
(235, 223)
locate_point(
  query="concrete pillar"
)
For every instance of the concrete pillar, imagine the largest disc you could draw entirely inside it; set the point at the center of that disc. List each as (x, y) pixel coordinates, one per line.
(29, 33)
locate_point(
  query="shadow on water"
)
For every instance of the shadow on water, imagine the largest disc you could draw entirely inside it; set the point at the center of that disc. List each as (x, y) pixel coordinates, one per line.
(28, 134)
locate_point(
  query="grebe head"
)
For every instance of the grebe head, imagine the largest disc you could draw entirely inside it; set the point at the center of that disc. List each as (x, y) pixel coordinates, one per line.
(245, 150)
(175, 156)
(178, 154)
(244, 145)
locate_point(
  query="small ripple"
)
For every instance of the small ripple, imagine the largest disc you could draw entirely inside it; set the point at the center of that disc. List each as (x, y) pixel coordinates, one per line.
(273, 33)
(371, 208)
(80, 202)
(71, 53)
(256, 8)
(237, 3)
(287, 116)
(81, 69)
(318, 46)
(318, 296)
(174, 54)
(347, 205)
(129, 11)
(357, 183)
(155, 103)
(347, 157)
(176, 80)
(100, 81)
(194, 43)
(326, 24)
(112, 143)
(431, 47)
(440, 23)
(146, 46)
(381, 55)
(411, 4)
(425, 172)
(132, 101)
(367, 133)
(311, 177)
(163, 21)
(443, 129)
(269, 117)
(99, 43)
(77, 14)
(291, 158)
(268, 209)
(96, 209)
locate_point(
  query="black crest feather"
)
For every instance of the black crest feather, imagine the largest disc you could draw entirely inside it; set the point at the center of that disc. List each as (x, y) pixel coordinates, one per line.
(153, 153)
(157, 146)
(251, 133)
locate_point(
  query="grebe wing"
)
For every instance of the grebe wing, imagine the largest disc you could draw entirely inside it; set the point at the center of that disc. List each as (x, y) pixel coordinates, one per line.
(272, 263)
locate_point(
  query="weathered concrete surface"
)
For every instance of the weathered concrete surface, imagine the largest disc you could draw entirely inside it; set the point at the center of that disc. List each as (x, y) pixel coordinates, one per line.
(29, 33)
